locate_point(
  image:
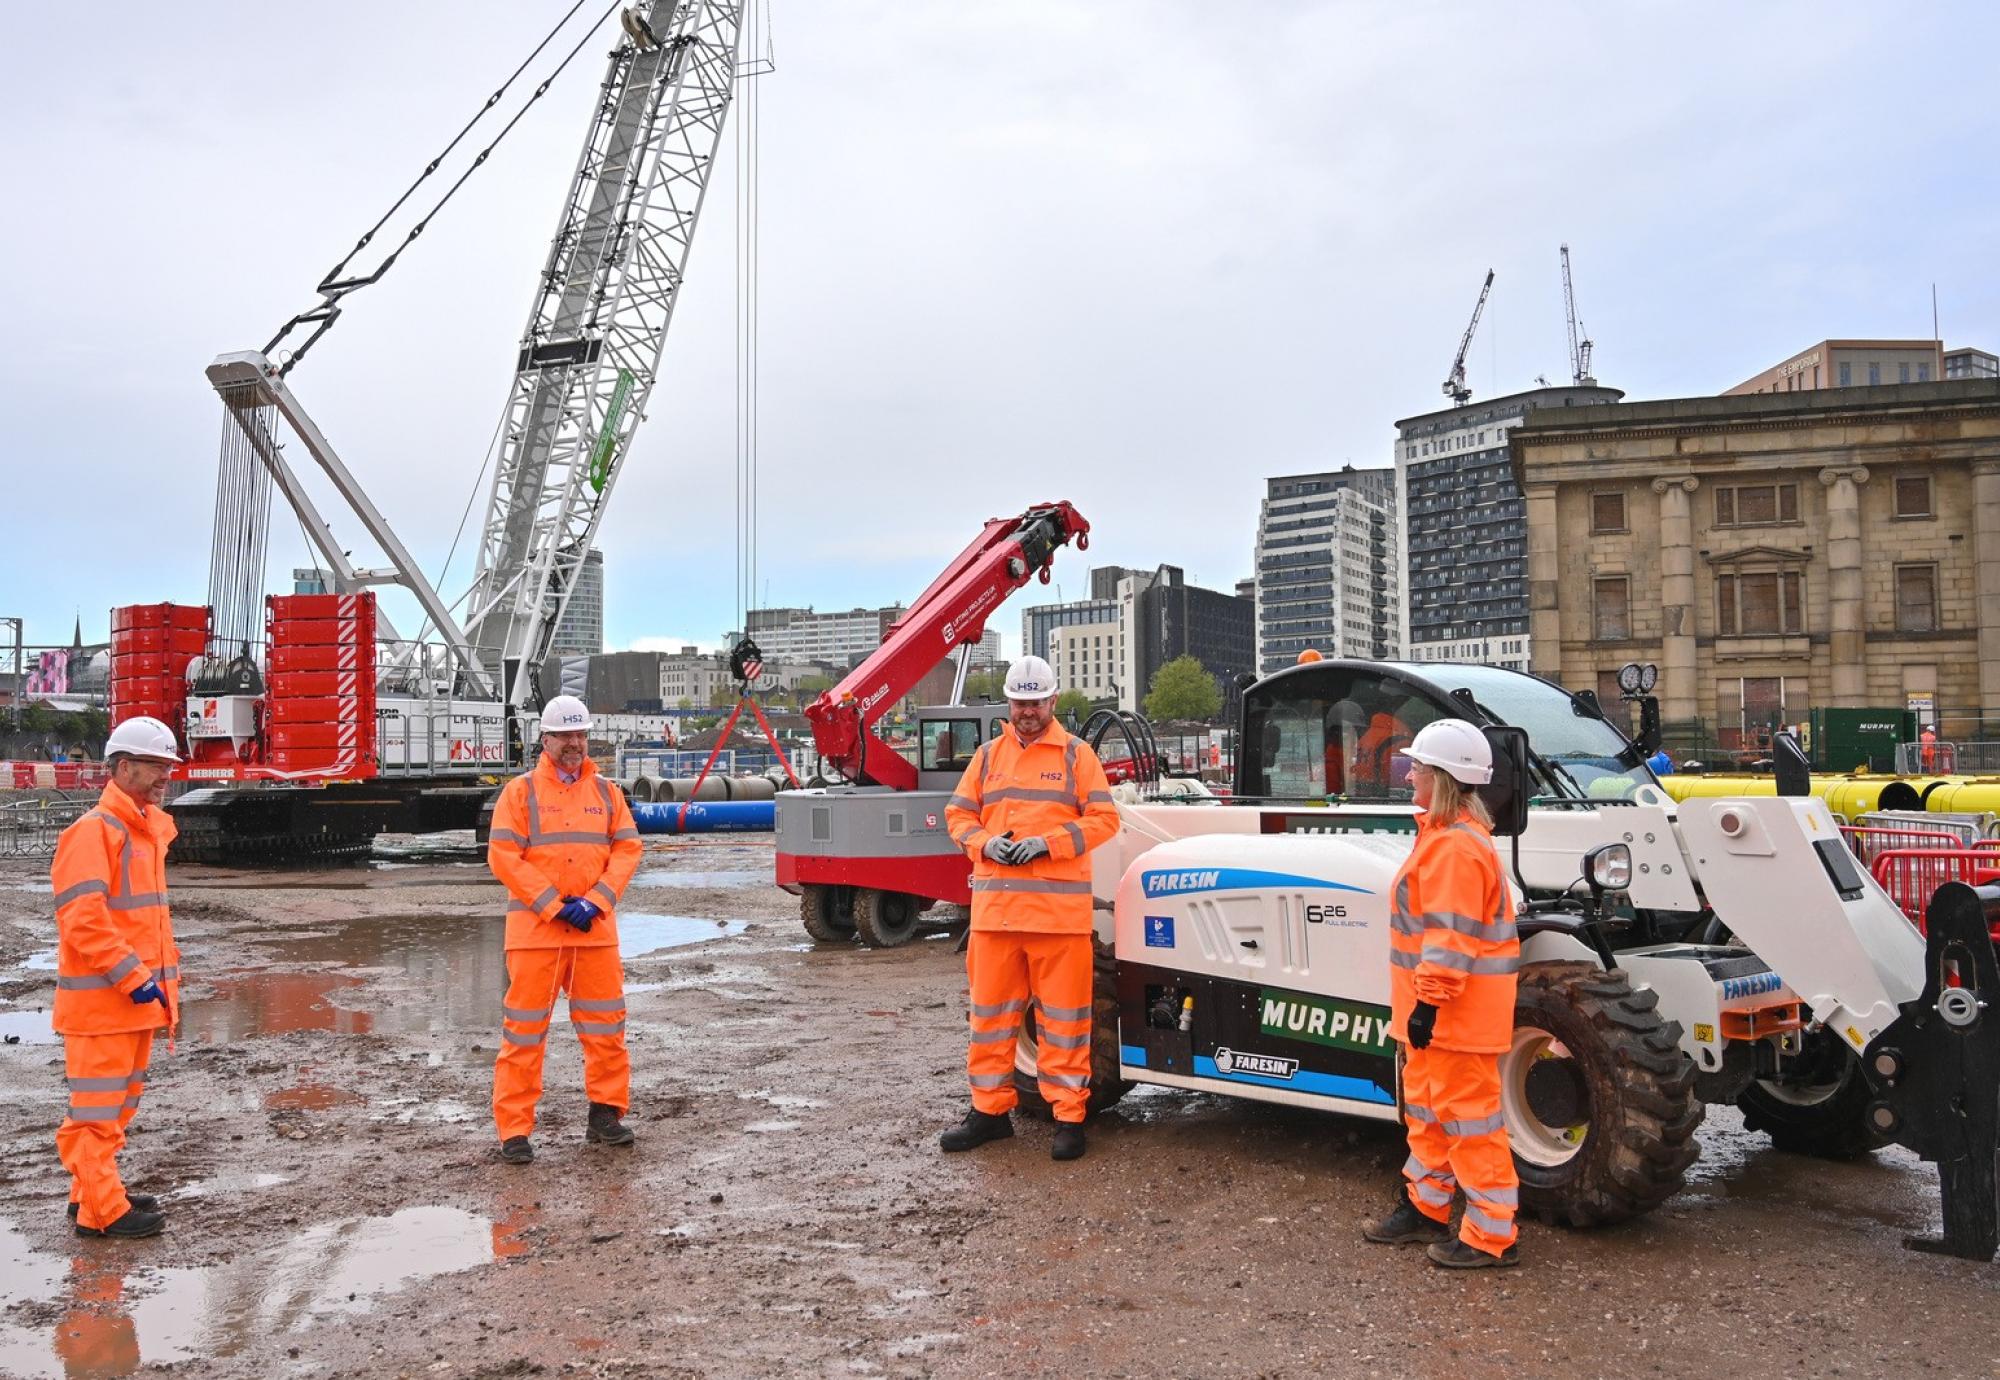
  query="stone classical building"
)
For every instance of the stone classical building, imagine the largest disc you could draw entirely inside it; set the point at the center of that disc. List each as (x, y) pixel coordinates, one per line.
(1772, 552)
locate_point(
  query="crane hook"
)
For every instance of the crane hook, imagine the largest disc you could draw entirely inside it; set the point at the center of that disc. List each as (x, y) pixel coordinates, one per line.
(1083, 541)
(1045, 574)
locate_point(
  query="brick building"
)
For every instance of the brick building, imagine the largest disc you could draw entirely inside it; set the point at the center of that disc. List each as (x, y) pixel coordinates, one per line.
(1772, 552)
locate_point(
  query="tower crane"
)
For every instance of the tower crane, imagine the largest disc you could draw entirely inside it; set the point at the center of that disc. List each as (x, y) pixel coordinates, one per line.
(452, 707)
(1579, 341)
(1454, 383)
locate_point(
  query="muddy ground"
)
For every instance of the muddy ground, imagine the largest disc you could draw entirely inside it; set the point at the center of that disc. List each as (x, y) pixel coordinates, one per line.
(322, 1140)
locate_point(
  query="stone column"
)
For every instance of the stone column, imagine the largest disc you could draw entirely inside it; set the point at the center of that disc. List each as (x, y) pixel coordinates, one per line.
(1544, 584)
(1986, 567)
(1847, 646)
(1678, 691)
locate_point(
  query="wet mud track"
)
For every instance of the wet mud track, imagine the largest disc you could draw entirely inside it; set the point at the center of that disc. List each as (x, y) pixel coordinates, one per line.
(321, 1138)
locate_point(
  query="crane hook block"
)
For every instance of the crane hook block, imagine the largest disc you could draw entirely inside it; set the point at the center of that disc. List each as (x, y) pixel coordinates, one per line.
(1045, 574)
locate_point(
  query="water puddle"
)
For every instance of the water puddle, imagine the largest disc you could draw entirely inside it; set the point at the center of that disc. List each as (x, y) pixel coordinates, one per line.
(226, 1185)
(26, 1028)
(43, 962)
(763, 1127)
(310, 1097)
(120, 1315)
(645, 934)
(691, 880)
(784, 1102)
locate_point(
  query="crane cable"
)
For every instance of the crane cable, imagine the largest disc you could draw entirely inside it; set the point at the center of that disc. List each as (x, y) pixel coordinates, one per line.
(333, 287)
(747, 305)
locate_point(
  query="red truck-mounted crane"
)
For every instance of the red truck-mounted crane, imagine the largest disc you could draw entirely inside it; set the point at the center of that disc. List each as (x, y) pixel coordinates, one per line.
(871, 855)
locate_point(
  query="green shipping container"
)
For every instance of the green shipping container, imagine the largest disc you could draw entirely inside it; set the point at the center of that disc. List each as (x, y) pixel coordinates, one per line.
(1853, 739)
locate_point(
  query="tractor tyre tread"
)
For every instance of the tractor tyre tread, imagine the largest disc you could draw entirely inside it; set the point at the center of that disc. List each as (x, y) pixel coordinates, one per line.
(884, 919)
(819, 912)
(1834, 1129)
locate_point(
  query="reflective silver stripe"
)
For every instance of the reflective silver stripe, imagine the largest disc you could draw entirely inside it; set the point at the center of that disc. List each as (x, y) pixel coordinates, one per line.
(1495, 932)
(98, 1084)
(995, 1037)
(959, 802)
(518, 909)
(610, 811)
(1414, 1168)
(1055, 1041)
(71, 893)
(542, 901)
(1028, 793)
(1466, 963)
(139, 902)
(516, 1038)
(568, 836)
(599, 1027)
(1402, 958)
(1005, 1008)
(522, 1013)
(597, 1003)
(1064, 1080)
(131, 1101)
(1041, 884)
(170, 973)
(991, 1080)
(1069, 773)
(1417, 1113)
(1499, 1226)
(1098, 798)
(1483, 1126)
(122, 969)
(1434, 1194)
(105, 1113)
(534, 812)
(1065, 1013)
(1075, 832)
(505, 836)
(964, 840)
(604, 890)
(82, 984)
(622, 834)
(1495, 1197)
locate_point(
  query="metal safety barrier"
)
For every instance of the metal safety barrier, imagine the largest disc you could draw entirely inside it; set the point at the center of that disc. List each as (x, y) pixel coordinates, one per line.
(30, 828)
(1869, 841)
(1912, 875)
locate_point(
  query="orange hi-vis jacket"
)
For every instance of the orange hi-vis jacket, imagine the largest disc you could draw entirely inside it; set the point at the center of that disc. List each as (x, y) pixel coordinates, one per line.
(1452, 941)
(1055, 788)
(113, 934)
(553, 838)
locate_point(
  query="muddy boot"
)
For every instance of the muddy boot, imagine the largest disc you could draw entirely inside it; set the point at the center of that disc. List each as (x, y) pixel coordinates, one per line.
(516, 1150)
(605, 1128)
(145, 1202)
(134, 1223)
(977, 1128)
(1456, 1255)
(1068, 1144)
(1405, 1227)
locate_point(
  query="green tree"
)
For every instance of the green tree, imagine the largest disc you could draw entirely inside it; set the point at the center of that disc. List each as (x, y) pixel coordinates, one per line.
(810, 688)
(986, 685)
(1072, 706)
(1183, 689)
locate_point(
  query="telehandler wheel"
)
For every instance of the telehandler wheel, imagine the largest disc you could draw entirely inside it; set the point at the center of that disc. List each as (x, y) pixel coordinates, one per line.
(1105, 1085)
(1598, 1097)
(1821, 1109)
(884, 919)
(827, 912)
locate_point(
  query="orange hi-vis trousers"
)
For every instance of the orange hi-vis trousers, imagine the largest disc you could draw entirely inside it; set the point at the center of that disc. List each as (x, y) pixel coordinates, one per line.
(1458, 1139)
(594, 978)
(1008, 970)
(106, 1075)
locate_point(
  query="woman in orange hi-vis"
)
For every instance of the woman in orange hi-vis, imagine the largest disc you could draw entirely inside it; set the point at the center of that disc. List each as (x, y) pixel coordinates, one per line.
(1028, 810)
(117, 972)
(1453, 955)
(564, 845)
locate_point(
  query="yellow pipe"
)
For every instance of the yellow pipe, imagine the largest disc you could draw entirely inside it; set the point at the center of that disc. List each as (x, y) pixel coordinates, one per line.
(1964, 796)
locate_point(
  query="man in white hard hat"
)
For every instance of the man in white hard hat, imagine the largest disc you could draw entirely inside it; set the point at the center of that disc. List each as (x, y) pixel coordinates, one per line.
(117, 972)
(565, 846)
(1033, 803)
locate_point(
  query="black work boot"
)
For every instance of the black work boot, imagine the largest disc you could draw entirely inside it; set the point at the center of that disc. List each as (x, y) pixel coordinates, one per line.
(977, 1128)
(1405, 1227)
(134, 1223)
(605, 1128)
(516, 1150)
(145, 1202)
(1457, 1255)
(1068, 1144)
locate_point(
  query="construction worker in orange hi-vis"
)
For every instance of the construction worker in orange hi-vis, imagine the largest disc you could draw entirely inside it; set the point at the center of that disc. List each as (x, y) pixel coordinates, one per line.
(1453, 955)
(564, 845)
(1028, 810)
(1385, 737)
(117, 972)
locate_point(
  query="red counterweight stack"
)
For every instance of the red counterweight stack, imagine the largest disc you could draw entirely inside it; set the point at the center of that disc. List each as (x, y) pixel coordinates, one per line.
(319, 709)
(151, 646)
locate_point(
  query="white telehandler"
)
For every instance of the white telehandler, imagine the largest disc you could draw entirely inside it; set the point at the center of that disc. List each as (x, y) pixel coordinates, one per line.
(1672, 955)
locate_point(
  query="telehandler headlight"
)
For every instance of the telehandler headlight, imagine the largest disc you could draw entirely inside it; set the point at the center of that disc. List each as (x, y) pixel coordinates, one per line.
(1609, 868)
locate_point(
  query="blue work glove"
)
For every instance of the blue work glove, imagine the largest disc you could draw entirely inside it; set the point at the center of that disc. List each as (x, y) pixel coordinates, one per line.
(146, 991)
(1423, 1020)
(1000, 848)
(577, 913)
(1028, 849)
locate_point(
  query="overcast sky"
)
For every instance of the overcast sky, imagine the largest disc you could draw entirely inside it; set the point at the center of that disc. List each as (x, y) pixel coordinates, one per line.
(1139, 256)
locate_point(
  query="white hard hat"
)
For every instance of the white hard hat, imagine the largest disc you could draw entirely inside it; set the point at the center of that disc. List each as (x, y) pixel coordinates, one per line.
(565, 714)
(1454, 747)
(143, 737)
(1030, 678)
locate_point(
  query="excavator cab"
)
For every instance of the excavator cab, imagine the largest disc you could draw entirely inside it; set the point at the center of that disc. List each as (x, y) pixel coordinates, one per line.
(947, 738)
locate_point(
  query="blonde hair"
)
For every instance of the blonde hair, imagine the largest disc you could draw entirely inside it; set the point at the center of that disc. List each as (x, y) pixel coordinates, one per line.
(1450, 798)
